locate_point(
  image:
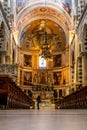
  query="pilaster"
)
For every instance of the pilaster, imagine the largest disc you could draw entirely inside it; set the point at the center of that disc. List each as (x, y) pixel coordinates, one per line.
(84, 68)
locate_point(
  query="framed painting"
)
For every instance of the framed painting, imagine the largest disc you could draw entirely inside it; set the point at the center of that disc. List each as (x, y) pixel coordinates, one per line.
(57, 60)
(27, 60)
(27, 78)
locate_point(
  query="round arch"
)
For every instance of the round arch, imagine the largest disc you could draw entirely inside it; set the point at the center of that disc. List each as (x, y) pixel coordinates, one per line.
(38, 10)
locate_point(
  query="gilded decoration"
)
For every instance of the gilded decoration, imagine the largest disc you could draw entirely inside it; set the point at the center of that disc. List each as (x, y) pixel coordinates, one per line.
(27, 60)
(44, 36)
(42, 76)
(57, 77)
(27, 78)
(57, 60)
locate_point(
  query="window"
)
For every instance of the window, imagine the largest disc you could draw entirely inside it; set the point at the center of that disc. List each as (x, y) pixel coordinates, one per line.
(42, 62)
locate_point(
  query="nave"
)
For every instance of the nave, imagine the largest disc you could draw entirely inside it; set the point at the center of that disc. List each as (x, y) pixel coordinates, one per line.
(43, 119)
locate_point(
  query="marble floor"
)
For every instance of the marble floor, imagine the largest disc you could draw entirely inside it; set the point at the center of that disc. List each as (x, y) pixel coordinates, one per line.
(43, 119)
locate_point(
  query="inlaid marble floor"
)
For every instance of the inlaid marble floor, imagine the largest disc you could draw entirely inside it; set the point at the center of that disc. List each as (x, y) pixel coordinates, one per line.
(43, 119)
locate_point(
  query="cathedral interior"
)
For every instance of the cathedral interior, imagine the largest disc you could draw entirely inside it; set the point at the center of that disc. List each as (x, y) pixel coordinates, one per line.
(43, 48)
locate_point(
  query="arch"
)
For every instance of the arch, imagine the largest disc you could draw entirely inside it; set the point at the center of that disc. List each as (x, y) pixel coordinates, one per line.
(37, 10)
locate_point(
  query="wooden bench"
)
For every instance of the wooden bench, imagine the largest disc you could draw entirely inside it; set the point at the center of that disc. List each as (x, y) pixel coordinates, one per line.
(12, 96)
(76, 100)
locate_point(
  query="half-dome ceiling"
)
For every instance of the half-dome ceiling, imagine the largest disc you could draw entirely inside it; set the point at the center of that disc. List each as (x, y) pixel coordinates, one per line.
(38, 31)
(37, 11)
(40, 11)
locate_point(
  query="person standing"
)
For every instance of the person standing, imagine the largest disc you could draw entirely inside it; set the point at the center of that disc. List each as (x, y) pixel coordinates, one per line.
(38, 101)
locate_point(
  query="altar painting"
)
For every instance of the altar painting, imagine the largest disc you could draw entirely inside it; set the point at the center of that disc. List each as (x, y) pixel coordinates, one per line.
(27, 60)
(57, 78)
(57, 60)
(27, 78)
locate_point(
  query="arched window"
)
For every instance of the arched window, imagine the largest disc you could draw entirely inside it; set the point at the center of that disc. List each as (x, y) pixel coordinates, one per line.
(42, 62)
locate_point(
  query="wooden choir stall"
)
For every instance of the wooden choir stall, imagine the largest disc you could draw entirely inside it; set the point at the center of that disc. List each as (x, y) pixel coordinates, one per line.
(12, 96)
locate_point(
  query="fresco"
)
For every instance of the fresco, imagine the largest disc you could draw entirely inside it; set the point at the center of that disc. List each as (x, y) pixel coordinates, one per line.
(65, 3)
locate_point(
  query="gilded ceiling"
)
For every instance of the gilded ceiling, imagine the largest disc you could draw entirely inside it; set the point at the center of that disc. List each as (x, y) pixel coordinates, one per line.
(40, 31)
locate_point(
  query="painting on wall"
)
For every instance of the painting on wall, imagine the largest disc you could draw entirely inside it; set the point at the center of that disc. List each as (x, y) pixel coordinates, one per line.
(27, 78)
(42, 77)
(57, 77)
(57, 60)
(27, 60)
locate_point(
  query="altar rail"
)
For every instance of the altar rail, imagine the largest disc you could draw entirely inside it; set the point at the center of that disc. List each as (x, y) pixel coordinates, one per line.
(76, 100)
(12, 96)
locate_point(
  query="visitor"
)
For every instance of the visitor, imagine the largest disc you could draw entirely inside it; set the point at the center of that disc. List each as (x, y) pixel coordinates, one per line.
(38, 101)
